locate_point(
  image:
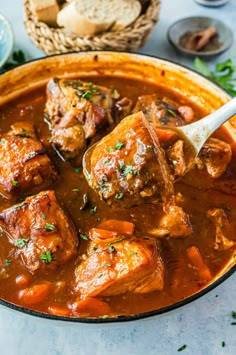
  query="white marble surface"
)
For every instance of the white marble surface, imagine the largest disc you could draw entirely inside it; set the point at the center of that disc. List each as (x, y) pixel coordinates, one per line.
(202, 325)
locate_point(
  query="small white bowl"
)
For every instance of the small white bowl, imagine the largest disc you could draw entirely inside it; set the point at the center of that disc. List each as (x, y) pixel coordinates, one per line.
(6, 40)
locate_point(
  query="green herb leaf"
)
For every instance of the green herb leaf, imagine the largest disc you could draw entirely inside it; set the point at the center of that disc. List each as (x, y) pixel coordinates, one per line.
(44, 216)
(15, 182)
(201, 67)
(87, 95)
(18, 57)
(77, 170)
(106, 264)
(24, 134)
(233, 314)
(183, 347)
(83, 236)
(103, 180)
(111, 249)
(47, 257)
(119, 145)
(8, 262)
(49, 227)
(133, 253)
(21, 243)
(93, 210)
(117, 241)
(105, 316)
(171, 112)
(119, 196)
(223, 74)
(100, 275)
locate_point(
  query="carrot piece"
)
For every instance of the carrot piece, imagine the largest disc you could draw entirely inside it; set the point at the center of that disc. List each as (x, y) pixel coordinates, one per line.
(22, 280)
(95, 233)
(34, 294)
(165, 135)
(197, 261)
(59, 310)
(121, 227)
(92, 307)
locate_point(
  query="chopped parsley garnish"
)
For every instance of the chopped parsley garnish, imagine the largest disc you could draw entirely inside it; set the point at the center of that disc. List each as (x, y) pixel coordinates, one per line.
(183, 347)
(128, 169)
(119, 196)
(233, 314)
(110, 150)
(100, 275)
(115, 93)
(171, 112)
(77, 170)
(75, 190)
(93, 210)
(15, 182)
(117, 241)
(111, 249)
(21, 243)
(3, 140)
(221, 225)
(133, 253)
(8, 262)
(103, 180)
(49, 227)
(47, 257)
(87, 95)
(105, 160)
(90, 86)
(105, 316)
(44, 216)
(24, 133)
(119, 145)
(95, 249)
(83, 236)
(106, 264)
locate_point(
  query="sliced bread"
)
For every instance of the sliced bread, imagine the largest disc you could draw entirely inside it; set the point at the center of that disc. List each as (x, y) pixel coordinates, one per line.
(87, 17)
(45, 11)
(127, 12)
(90, 17)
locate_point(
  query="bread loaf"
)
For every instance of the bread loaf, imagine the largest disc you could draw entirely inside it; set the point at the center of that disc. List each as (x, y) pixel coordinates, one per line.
(86, 17)
(127, 12)
(90, 17)
(45, 11)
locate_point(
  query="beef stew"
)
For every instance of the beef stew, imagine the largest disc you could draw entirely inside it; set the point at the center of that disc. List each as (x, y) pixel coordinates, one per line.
(79, 255)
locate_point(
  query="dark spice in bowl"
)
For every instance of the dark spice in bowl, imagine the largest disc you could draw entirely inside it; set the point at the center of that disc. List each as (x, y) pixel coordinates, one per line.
(204, 41)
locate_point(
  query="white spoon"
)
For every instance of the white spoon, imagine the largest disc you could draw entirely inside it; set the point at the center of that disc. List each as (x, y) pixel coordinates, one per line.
(198, 132)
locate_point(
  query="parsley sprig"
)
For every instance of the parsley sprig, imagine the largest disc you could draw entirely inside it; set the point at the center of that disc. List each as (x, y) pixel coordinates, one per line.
(224, 74)
(18, 57)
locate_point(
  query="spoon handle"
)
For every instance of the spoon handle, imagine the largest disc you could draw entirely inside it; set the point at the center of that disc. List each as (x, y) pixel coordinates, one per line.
(198, 132)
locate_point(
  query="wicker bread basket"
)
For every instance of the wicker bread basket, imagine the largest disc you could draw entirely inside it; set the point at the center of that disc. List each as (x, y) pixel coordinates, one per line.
(58, 40)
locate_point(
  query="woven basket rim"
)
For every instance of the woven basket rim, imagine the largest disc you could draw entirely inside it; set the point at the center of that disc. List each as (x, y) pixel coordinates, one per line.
(58, 40)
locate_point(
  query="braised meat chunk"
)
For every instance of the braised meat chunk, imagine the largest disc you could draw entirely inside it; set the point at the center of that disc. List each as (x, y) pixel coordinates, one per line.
(116, 266)
(223, 229)
(215, 156)
(76, 111)
(24, 164)
(129, 162)
(175, 223)
(43, 235)
(161, 112)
